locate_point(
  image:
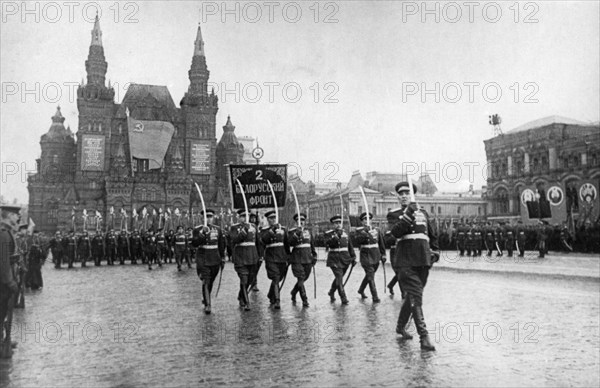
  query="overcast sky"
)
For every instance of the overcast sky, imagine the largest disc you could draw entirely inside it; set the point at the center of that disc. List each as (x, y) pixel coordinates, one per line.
(368, 61)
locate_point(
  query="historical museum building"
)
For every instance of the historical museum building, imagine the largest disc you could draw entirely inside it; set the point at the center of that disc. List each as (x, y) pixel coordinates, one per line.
(546, 169)
(142, 153)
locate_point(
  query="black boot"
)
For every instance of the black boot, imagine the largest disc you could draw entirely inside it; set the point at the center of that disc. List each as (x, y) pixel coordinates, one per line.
(245, 298)
(331, 294)
(206, 295)
(303, 296)
(294, 292)
(342, 293)
(422, 328)
(403, 318)
(361, 289)
(374, 291)
(276, 295)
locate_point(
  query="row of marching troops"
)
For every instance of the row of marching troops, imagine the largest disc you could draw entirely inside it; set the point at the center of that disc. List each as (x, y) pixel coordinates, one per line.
(146, 247)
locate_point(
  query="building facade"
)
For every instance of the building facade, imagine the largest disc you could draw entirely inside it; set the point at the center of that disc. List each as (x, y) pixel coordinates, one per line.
(552, 163)
(100, 169)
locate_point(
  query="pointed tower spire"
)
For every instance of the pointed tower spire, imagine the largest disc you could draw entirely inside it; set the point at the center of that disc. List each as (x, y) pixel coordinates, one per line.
(199, 43)
(96, 33)
(58, 117)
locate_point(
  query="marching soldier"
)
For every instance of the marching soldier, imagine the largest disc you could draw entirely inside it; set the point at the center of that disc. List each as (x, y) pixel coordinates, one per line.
(521, 238)
(303, 258)
(372, 251)
(339, 258)
(8, 286)
(123, 244)
(565, 237)
(542, 236)
(210, 254)
(180, 242)
(136, 247)
(254, 276)
(111, 247)
(97, 249)
(245, 244)
(56, 247)
(69, 243)
(21, 265)
(161, 246)
(275, 241)
(150, 250)
(416, 251)
(170, 238)
(84, 248)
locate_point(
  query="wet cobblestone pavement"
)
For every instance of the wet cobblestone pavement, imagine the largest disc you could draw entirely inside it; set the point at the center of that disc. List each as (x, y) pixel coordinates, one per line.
(127, 326)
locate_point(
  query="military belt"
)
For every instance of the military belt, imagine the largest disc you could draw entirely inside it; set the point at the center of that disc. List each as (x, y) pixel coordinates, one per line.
(338, 250)
(273, 245)
(209, 246)
(180, 243)
(413, 236)
(369, 246)
(246, 244)
(306, 245)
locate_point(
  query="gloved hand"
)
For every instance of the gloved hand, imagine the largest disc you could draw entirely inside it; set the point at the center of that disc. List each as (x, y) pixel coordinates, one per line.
(205, 230)
(353, 262)
(411, 209)
(383, 259)
(435, 256)
(314, 261)
(222, 263)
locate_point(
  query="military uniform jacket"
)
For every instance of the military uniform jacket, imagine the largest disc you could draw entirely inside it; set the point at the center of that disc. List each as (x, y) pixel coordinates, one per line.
(499, 234)
(509, 234)
(461, 233)
(97, 244)
(56, 245)
(245, 244)
(302, 246)
(211, 246)
(521, 236)
(276, 244)
(7, 250)
(136, 242)
(180, 242)
(372, 245)
(83, 245)
(489, 235)
(340, 248)
(416, 238)
(149, 243)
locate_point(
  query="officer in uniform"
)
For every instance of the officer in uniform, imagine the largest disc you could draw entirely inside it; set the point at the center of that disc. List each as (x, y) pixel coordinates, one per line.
(477, 240)
(209, 244)
(111, 247)
(150, 250)
(8, 285)
(70, 243)
(372, 251)
(303, 257)
(461, 237)
(161, 246)
(416, 251)
(245, 245)
(56, 247)
(565, 237)
(97, 248)
(253, 279)
(542, 236)
(509, 239)
(180, 246)
(21, 265)
(191, 251)
(274, 239)
(470, 240)
(170, 239)
(339, 257)
(521, 233)
(499, 238)
(84, 248)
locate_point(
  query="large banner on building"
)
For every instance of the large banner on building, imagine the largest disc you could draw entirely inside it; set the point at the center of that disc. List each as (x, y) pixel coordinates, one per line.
(588, 201)
(92, 152)
(254, 180)
(199, 157)
(543, 202)
(149, 140)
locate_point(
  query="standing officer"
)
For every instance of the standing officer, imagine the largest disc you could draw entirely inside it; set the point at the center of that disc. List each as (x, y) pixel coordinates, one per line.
(303, 257)
(340, 256)
(489, 239)
(253, 279)
(277, 249)
(470, 243)
(372, 251)
(8, 285)
(191, 251)
(123, 244)
(477, 240)
(521, 238)
(461, 237)
(161, 246)
(245, 245)
(499, 238)
(416, 251)
(84, 248)
(509, 242)
(136, 247)
(209, 244)
(56, 247)
(542, 236)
